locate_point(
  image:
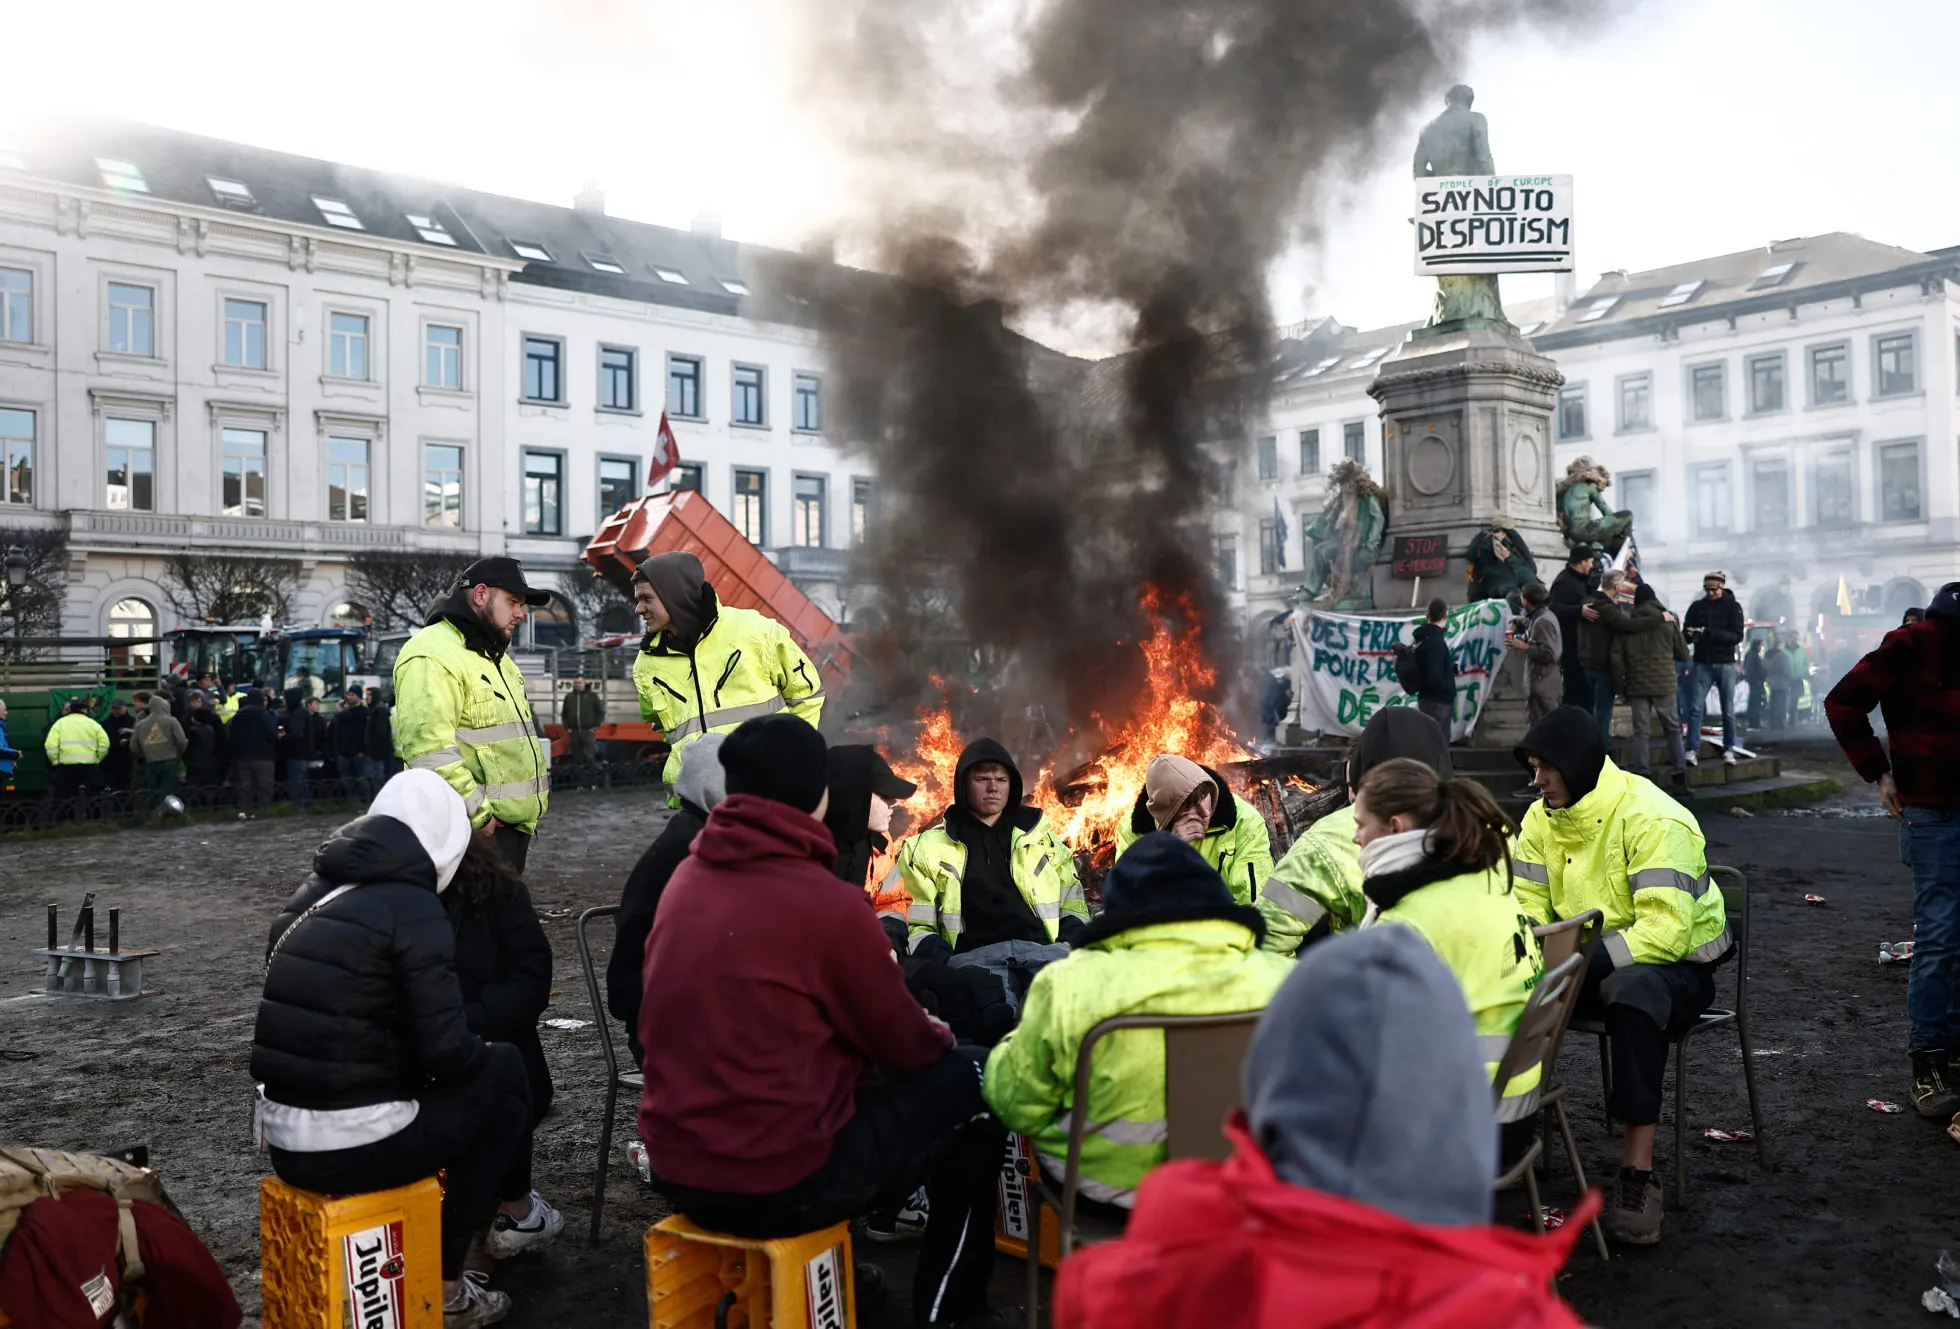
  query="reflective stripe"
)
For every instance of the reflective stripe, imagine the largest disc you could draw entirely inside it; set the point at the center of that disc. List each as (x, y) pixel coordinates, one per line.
(817, 697)
(495, 733)
(1118, 1130)
(1516, 1107)
(517, 788)
(430, 761)
(923, 913)
(473, 800)
(732, 715)
(1710, 951)
(1534, 872)
(1049, 912)
(1295, 902)
(1649, 878)
(891, 911)
(1494, 1045)
(1100, 1191)
(1617, 949)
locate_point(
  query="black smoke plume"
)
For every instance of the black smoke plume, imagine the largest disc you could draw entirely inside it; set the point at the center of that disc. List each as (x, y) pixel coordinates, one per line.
(1116, 170)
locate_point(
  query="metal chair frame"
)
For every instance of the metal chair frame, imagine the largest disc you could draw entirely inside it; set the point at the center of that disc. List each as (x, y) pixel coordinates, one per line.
(1561, 941)
(1735, 900)
(1184, 1138)
(1536, 1040)
(616, 1079)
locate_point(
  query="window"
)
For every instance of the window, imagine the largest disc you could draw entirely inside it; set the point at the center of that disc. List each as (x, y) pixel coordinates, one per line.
(1322, 366)
(1228, 561)
(1637, 492)
(16, 456)
(134, 620)
(544, 474)
(1682, 293)
(541, 380)
(122, 175)
(616, 379)
(1836, 490)
(1599, 309)
(132, 319)
(749, 394)
(16, 305)
(733, 285)
(860, 511)
(132, 465)
(684, 386)
(1708, 392)
(807, 511)
(1572, 411)
(244, 473)
(619, 484)
(806, 399)
(1897, 372)
(245, 334)
(1898, 481)
(1269, 458)
(751, 498)
(1712, 498)
(537, 253)
(1774, 275)
(685, 475)
(1309, 451)
(602, 263)
(670, 276)
(347, 479)
(1363, 361)
(336, 213)
(1530, 329)
(1225, 475)
(347, 346)
(231, 193)
(442, 357)
(1765, 384)
(442, 485)
(1636, 403)
(1268, 545)
(1769, 483)
(1830, 375)
(1354, 440)
(430, 229)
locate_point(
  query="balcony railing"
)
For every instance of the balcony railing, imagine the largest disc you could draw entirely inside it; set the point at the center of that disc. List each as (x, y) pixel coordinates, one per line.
(152, 530)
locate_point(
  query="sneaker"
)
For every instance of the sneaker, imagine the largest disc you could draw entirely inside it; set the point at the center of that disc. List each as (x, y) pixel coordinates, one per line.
(474, 1305)
(1728, 756)
(903, 1223)
(1694, 758)
(513, 1236)
(1634, 1219)
(1930, 1096)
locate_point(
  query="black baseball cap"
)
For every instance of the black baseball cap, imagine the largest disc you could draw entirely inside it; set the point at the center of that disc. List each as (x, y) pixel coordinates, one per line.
(506, 574)
(887, 783)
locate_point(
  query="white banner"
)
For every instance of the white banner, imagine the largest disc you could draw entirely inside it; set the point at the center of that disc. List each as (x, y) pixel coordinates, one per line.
(1493, 223)
(1344, 666)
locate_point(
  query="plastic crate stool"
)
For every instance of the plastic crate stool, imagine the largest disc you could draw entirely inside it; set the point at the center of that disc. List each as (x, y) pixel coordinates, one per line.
(1017, 1195)
(697, 1279)
(372, 1259)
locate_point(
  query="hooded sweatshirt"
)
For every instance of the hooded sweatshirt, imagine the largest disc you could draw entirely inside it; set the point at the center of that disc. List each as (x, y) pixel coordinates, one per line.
(1568, 740)
(850, 773)
(682, 585)
(992, 905)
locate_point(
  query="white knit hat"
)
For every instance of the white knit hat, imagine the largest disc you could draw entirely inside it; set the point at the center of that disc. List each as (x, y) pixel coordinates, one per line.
(425, 803)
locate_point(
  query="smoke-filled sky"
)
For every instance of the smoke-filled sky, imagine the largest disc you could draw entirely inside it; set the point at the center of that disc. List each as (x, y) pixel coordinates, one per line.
(1693, 126)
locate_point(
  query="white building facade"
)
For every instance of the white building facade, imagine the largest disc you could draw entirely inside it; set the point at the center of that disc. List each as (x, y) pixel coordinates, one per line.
(212, 348)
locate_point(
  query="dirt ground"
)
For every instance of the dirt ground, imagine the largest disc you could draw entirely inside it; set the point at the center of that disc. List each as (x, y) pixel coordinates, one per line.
(1842, 1230)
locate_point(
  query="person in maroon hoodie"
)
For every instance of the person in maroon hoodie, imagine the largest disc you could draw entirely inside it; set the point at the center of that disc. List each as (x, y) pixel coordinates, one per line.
(792, 1081)
(1914, 679)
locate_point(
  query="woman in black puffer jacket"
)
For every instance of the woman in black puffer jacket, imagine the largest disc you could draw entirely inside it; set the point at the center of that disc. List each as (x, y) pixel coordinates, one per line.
(369, 1076)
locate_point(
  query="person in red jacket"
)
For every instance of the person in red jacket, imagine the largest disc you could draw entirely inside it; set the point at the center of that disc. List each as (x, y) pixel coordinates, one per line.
(1356, 1196)
(1913, 678)
(791, 1080)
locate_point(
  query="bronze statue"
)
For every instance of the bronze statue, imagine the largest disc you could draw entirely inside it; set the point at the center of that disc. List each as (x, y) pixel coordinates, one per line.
(1583, 517)
(1346, 537)
(1500, 561)
(1457, 142)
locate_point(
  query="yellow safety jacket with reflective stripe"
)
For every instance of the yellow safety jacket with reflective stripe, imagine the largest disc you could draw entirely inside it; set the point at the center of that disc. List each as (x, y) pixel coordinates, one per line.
(744, 666)
(227, 705)
(465, 717)
(1318, 878)
(1206, 966)
(1477, 926)
(76, 740)
(1237, 844)
(1637, 856)
(932, 867)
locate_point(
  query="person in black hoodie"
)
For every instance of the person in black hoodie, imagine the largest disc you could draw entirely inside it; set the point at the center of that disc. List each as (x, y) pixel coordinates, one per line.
(863, 788)
(347, 735)
(368, 1075)
(1715, 628)
(383, 763)
(1436, 692)
(503, 963)
(1570, 591)
(252, 739)
(204, 732)
(296, 746)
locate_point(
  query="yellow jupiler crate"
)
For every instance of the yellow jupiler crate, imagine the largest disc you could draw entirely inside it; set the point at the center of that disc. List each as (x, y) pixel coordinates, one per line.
(1017, 1194)
(326, 1261)
(802, 1282)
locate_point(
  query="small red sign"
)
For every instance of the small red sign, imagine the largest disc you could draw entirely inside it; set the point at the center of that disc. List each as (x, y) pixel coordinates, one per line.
(1419, 556)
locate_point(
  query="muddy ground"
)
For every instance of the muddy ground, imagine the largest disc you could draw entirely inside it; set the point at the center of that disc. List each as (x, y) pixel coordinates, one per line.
(1842, 1230)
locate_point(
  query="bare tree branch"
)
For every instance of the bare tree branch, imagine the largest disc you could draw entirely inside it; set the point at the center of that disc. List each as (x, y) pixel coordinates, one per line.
(230, 588)
(35, 609)
(598, 604)
(397, 589)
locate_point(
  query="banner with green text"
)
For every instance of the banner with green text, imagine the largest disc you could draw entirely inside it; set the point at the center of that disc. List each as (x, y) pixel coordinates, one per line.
(1344, 666)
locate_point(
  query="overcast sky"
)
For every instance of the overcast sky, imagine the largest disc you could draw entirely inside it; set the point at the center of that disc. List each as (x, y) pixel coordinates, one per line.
(1692, 127)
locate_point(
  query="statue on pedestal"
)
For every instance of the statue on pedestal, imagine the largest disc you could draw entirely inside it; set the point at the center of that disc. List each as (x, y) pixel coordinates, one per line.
(1583, 517)
(1346, 537)
(1500, 561)
(1457, 142)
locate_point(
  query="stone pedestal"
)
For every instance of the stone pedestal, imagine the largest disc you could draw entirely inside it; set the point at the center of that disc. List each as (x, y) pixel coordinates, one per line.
(1467, 436)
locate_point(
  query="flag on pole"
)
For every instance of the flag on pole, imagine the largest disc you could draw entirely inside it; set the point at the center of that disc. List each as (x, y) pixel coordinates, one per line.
(1844, 596)
(666, 453)
(1279, 536)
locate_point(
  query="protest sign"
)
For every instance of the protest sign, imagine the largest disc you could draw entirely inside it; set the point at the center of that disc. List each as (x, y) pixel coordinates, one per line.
(1344, 666)
(1493, 223)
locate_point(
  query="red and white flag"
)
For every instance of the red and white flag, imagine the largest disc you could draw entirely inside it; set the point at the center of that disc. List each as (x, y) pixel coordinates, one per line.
(666, 454)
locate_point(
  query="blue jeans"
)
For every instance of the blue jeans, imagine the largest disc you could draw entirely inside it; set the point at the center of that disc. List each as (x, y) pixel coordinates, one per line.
(1602, 701)
(1929, 844)
(1721, 677)
(296, 780)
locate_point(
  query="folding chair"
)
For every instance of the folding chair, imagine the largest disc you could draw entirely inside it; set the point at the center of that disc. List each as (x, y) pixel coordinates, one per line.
(1202, 1057)
(1562, 941)
(1539, 1029)
(616, 1079)
(1735, 901)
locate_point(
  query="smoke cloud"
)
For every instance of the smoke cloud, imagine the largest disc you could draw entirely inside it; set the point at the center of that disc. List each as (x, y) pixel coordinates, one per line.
(1118, 174)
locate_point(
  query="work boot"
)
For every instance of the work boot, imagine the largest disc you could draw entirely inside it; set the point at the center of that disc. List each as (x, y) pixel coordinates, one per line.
(1931, 1098)
(1634, 1218)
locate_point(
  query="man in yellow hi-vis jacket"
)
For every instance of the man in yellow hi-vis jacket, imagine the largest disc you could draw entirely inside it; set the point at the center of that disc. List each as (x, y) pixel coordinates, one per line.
(460, 708)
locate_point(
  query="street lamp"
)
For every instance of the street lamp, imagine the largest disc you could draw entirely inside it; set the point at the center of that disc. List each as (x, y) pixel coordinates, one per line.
(17, 565)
